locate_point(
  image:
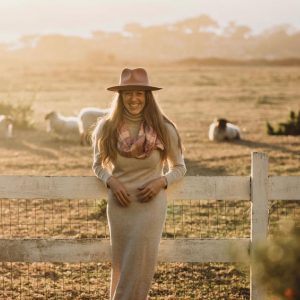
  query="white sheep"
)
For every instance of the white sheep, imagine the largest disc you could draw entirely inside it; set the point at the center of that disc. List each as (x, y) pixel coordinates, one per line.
(66, 126)
(221, 130)
(6, 126)
(88, 117)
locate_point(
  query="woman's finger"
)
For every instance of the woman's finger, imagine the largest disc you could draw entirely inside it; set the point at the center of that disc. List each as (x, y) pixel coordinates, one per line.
(146, 197)
(125, 197)
(119, 197)
(143, 192)
(120, 200)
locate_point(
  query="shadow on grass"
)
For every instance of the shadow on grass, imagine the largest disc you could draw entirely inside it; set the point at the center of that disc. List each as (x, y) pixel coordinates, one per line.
(255, 144)
(195, 167)
(39, 143)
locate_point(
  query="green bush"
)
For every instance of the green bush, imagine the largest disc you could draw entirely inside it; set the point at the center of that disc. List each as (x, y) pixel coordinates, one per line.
(277, 263)
(291, 127)
(22, 114)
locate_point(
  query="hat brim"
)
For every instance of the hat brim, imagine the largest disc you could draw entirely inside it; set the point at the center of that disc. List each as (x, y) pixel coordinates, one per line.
(117, 88)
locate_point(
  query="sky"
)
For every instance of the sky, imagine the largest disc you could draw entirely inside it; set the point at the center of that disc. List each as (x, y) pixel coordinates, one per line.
(82, 17)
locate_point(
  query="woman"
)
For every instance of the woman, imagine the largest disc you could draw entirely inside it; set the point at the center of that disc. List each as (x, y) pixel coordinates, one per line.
(131, 146)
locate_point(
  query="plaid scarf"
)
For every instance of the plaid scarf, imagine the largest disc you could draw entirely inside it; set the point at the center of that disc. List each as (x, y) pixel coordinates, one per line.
(142, 145)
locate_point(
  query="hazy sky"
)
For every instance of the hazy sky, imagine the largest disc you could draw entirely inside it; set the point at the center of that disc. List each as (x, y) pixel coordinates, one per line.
(80, 17)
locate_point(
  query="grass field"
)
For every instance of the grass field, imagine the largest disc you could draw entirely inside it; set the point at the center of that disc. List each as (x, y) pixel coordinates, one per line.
(192, 97)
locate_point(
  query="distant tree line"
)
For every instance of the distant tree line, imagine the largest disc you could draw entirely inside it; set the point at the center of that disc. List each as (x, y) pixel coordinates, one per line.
(199, 38)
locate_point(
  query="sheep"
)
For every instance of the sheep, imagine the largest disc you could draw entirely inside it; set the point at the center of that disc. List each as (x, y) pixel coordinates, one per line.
(221, 130)
(66, 126)
(6, 126)
(88, 117)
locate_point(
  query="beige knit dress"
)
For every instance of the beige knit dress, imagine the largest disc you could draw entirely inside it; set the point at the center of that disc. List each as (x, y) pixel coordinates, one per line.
(135, 230)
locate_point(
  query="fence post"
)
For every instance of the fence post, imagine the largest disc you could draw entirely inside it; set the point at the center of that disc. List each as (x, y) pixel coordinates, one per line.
(259, 211)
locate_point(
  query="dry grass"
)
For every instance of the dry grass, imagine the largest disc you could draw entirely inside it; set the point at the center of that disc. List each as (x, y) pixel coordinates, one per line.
(192, 97)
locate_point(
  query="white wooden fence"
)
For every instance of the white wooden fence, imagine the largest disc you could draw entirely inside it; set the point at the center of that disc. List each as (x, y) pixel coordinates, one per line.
(258, 188)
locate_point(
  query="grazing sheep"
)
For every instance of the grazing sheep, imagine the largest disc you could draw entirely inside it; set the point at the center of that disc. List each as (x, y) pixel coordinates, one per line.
(66, 126)
(6, 126)
(221, 130)
(88, 117)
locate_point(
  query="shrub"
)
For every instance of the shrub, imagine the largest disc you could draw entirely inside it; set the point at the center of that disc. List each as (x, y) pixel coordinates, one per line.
(291, 127)
(277, 263)
(22, 114)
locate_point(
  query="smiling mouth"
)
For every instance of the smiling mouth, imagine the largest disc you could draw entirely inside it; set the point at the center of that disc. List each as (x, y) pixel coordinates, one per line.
(134, 105)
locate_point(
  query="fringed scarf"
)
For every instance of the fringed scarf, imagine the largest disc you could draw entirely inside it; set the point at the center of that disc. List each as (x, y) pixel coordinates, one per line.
(141, 146)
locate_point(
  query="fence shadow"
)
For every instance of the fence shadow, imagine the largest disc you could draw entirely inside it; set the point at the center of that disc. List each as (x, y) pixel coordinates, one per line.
(256, 144)
(195, 167)
(38, 143)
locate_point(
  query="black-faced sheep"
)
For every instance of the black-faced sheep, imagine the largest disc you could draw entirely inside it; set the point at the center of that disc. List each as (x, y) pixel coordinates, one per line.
(221, 130)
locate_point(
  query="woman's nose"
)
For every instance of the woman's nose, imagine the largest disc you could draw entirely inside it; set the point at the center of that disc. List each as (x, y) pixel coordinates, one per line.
(134, 97)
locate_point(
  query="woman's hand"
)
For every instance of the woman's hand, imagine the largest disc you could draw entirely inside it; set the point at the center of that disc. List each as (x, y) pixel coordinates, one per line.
(151, 188)
(119, 190)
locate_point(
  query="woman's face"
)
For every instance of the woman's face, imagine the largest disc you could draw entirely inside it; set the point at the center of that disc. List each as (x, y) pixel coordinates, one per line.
(134, 101)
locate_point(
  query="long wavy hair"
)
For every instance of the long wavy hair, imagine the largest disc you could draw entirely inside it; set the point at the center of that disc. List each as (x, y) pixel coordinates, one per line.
(152, 115)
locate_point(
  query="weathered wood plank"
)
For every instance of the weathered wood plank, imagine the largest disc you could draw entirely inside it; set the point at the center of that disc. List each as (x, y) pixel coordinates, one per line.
(190, 188)
(259, 218)
(54, 250)
(95, 250)
(51, 187)
(284, 188)
(211, 188)
(89, 187)
(259, 196)
(204, 250)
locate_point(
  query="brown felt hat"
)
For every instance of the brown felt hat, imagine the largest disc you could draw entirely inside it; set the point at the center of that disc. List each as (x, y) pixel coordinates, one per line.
(135, 79)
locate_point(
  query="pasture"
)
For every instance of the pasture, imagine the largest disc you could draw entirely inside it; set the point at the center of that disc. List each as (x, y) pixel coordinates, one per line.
(192, 97)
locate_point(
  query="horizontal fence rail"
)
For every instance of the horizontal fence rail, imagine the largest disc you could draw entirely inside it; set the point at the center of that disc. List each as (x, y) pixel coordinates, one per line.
(95, 250)
(89, 187)
(190, 188)
(284, 188)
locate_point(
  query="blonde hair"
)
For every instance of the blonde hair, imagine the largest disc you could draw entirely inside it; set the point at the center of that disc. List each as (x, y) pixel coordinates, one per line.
(153, 116)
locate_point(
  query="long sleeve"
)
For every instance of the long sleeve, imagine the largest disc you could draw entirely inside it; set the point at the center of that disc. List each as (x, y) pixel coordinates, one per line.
(102, 173)
(176, 165)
